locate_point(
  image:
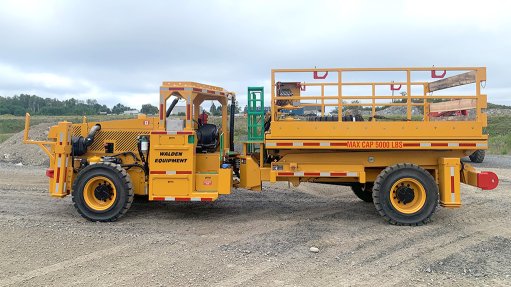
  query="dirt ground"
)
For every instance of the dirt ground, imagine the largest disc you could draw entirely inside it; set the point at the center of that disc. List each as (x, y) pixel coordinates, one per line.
(252, 239)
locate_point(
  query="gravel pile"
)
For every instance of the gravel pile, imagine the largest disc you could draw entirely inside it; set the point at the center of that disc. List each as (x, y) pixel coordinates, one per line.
(14, 151)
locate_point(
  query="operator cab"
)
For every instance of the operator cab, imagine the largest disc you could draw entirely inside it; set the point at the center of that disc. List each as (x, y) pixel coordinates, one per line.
(208, 134)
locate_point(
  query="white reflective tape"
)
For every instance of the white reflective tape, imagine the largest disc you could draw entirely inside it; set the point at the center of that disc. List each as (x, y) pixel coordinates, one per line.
(170, 199)
(453, 144)
(324, 173)
(59, 161)
(425, 144)
(56, 187)
(324, 144)
(271, 144)
(297, 143)
(299, 173)
(170, 172)
(188, 89)
(352, 174)
(65, 186)
(481, 144)
(205, 91)
(452, 170)
(61, 137)
(195, 199)
(453, 197)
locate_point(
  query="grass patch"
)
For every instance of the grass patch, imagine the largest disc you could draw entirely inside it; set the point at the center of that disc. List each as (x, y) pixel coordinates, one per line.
(4, 137)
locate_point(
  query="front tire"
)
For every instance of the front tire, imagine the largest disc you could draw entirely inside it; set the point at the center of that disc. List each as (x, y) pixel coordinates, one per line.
(405, 194)
(102, 192)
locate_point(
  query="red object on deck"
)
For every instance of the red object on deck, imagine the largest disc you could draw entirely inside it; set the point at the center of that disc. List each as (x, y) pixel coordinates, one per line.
(487, 180)
(203, 118)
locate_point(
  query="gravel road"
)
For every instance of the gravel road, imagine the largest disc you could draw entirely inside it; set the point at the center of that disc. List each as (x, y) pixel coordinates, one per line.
(252, 239)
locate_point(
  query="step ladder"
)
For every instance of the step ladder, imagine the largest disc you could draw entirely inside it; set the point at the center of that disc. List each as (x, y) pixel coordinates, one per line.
(255, 117)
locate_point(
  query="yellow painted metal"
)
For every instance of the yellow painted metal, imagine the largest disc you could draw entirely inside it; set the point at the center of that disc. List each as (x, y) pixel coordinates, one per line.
(169, 185)
(284, 127)
(469, 175)
(207, 162)
(58, 150)
(449, 182)
(138, 181)
(194, 94)
(419, 195)
(250, 175)
(206, 182)
(89, 193)
(225, 181)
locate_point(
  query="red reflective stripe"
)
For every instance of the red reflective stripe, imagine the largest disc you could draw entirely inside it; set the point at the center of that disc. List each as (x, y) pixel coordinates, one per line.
(338, 174)
(439, 144)
(176, 89)
(286, 173)
(157, 172)
(211, 92)
(159, 133)
(184, 133)
(284, 144)
(411, 144)
(206, 199)
(58, 175)
(188, 112)
(311, 174)
(467, 144)
(311, 144)
(183, 172)
(338, 144)
(182, 199)
(197, 90)
(159, 198)
(161, 111)
(452, 184)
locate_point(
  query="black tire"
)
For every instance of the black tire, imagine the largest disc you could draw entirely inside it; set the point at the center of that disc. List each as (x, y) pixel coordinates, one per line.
(395, 174)
(363, 191)
(123, 191)
(477, 156)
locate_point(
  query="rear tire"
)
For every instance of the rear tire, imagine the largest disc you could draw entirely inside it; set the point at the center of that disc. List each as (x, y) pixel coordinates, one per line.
(363, 191)
(405, 194)
(102, 192)
(477, 156)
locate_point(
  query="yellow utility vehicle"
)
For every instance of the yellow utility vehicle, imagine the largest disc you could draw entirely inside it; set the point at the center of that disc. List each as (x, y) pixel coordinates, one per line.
(344, 126)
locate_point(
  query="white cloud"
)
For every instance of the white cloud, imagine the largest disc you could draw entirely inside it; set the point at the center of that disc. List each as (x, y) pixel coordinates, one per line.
(121, 51)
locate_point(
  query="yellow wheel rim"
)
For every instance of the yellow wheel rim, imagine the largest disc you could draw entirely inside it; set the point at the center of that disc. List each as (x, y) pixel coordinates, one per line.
(99, 193)
(407, 195)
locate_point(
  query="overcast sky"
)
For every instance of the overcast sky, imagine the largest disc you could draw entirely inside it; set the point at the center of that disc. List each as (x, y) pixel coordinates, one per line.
(121, 51)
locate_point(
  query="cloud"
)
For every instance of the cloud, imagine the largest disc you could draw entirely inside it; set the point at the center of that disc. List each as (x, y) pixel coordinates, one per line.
(121, 51)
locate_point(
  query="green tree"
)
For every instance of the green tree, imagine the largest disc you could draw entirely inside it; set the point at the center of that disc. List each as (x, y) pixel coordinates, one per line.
(212, 109)
(120, 108)
(149, 109)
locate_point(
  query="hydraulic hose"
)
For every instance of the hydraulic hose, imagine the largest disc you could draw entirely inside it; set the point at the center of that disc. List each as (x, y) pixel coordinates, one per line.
(171, 107)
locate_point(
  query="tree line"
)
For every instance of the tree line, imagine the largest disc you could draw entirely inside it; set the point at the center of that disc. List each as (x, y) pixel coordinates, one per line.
(20, 104)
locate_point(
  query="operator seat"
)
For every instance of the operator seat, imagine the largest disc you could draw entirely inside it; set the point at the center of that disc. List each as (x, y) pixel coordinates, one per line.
(207, 138)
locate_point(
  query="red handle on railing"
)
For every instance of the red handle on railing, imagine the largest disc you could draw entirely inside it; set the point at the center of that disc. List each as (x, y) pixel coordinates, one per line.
(318, 77)
(393, 88)
(434, 75)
